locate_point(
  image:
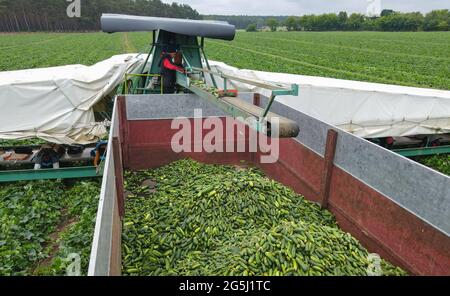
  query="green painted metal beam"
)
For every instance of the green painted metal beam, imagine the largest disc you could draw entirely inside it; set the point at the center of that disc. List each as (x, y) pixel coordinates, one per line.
(244, 112)
(226, 107)
(286, 92)
(292, 92)
(424, 151)
(48, 174)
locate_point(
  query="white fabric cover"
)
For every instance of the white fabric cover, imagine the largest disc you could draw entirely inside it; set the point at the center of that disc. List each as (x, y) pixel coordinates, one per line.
(367, 110)
(55, 104)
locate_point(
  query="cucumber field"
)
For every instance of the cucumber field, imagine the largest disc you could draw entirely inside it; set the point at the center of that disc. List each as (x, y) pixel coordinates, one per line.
(410, 59)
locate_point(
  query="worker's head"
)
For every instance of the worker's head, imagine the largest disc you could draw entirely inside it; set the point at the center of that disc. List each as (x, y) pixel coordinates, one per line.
(46, 157)
(165, 54)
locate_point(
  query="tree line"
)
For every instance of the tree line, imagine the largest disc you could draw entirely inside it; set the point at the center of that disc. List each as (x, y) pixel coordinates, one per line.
(243, 21)
(51, 15)
(389, 20)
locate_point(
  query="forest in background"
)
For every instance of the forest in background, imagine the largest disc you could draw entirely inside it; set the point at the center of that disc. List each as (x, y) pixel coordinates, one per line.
(389, 21)
(51, 16)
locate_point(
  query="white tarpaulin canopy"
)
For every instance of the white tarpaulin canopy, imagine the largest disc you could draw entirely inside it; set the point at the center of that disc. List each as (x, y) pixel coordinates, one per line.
(367, 110)
(55, 104)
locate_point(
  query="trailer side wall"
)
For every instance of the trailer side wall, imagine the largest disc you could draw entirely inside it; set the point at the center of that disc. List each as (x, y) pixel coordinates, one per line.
(394, 206)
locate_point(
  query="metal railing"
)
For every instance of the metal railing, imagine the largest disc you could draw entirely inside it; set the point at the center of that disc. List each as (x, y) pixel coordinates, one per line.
(127, 75)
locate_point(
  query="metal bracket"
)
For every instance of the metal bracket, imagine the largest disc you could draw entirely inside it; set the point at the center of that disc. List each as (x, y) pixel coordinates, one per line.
(280, 92)
(48, 174)
(277, 89)
(138, 76)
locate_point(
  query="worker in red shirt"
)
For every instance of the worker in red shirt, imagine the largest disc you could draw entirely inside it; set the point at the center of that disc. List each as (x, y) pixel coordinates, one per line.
(168, 72)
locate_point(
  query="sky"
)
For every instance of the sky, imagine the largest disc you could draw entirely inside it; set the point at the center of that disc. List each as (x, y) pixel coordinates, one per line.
(301, 7)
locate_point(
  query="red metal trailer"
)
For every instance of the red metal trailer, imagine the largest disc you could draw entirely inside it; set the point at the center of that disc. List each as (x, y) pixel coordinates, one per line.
(395, 207)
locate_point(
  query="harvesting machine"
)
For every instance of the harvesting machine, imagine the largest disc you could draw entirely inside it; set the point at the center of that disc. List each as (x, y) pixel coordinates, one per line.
(181, 38)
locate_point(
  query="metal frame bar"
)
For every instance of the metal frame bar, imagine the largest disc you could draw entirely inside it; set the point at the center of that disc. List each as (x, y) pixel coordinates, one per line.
(277, 90)
(423, 151)
(270, 86)
(330, 152)
(186, 61)
(228, 108)
(202, 48)
(150, 52)
(48, 174)
(142, 75)
(293, 91)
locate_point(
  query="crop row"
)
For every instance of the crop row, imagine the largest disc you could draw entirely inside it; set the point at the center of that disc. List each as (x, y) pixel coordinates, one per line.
(85, 48)
(413, 59)
(436, 44)
(439, 163)
(344, 58)
(42, 223)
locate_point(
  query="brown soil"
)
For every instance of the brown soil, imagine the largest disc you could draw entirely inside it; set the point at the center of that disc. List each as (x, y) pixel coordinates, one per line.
(127, 45)
(53, 243)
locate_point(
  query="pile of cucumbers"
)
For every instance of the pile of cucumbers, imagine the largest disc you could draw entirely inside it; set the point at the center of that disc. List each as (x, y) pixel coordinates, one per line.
(189, 218)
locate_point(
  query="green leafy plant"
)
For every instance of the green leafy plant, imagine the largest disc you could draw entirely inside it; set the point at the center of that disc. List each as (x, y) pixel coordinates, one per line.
(27, 142)
(404, 58)
(440, 163)
(42, 222)
(29, 213)
(77, 238)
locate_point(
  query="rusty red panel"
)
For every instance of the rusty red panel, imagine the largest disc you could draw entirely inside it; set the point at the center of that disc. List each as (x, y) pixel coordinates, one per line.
(380, 224)
(279, 173)
(150, 132)
(257, 100)
(118, 167)
(123, 126)
(160, 132)
(145, 157)
(330, 151)
(150, 145)
(297, 167)
(385, 227)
